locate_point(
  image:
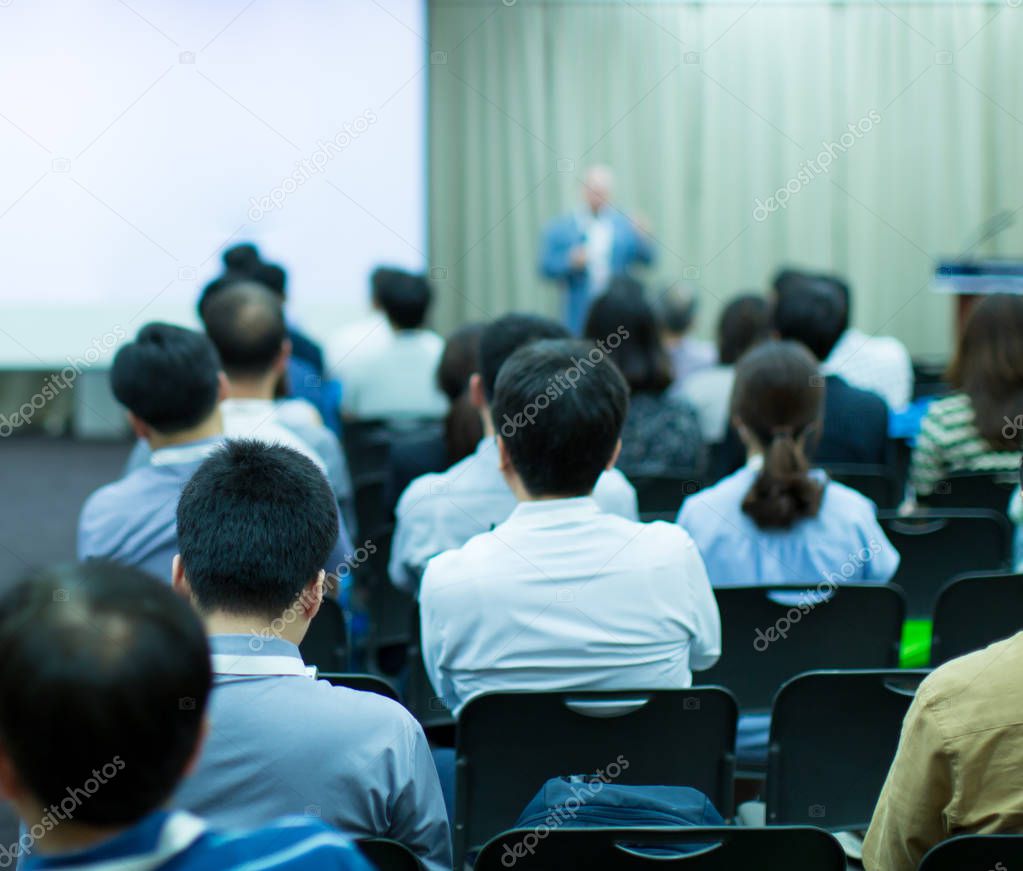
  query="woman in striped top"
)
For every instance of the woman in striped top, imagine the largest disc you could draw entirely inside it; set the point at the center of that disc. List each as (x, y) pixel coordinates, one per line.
(977, 428)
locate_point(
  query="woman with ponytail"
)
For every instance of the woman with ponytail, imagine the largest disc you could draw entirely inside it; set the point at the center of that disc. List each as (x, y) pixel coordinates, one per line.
(776, 520)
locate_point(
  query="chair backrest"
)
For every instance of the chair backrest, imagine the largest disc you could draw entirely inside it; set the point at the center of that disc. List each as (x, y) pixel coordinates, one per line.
(938, 544)
(387, 855)
(772, 633)
(366, 683)
(983, 852)
(973, 611)
(368, 497)
(833, 738)
(975, 490)
(389, 610)
(713, 849)
(875, 482)
(509, 744)
(664, 494)
(326, 642)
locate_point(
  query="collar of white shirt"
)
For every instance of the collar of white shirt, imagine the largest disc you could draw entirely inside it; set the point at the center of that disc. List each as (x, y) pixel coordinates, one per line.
(549, 512)
(256, 654)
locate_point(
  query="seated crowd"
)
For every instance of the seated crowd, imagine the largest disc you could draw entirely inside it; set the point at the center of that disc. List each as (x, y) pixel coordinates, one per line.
(516, 450)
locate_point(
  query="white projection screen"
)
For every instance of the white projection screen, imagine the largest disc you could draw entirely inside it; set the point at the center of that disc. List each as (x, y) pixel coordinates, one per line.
(141, 137)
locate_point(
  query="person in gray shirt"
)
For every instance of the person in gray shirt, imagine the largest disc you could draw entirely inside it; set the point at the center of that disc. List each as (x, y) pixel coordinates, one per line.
(255, 524)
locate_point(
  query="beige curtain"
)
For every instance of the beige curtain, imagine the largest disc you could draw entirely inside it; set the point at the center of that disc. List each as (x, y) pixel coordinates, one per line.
(706, 110)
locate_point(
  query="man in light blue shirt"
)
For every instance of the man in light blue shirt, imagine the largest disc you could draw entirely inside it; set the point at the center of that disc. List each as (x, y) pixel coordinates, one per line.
(584, 249)
(255, 524)
(170, 382)
(440, 512)
(105, 675)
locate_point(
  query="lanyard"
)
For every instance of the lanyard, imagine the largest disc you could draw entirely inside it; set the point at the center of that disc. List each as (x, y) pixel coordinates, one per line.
(275, 666)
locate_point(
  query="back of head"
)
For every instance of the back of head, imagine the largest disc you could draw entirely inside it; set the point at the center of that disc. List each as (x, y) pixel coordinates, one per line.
(104, 673)
(626, 323)
(255, 525)
(242, 258)
(167, 377)
(988, 367)
(505, 336)
(403, 297)
(811, 312)
(676, 309)
(778, 398)
(460, 360)
(559, 406)
(744, 323)
(245, 322)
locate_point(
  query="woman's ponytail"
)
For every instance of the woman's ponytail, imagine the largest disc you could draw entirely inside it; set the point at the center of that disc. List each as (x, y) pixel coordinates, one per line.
(784, 492)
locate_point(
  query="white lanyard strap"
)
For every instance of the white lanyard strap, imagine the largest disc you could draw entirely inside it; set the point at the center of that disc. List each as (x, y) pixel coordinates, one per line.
(278, 666)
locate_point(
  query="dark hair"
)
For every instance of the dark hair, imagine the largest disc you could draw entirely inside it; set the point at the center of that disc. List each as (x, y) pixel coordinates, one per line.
(505, 336)
(778, 397)
(255, 524)
(676, 310)
(745, 322)
(988, 367)
(405, 298)
(243, 257)
(168, 377)
(246, 324)
(105, 673)
(461, 358)
(811, 312)
(559, 407)
(640, 356)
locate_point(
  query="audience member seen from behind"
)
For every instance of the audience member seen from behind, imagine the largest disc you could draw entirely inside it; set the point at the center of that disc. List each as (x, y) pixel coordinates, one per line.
(434, 451)
(956, 770)
(255, 524)
(439, 512)
(745, 322)
(544, 601)
(104, 713)
(978, 427)
(855, 428)
(169, 381)
(661, 434)
(777, 520)
(676, 310)
(396, 380)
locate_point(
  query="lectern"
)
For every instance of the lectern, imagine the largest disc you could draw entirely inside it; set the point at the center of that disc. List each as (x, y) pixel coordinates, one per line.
(969, 279)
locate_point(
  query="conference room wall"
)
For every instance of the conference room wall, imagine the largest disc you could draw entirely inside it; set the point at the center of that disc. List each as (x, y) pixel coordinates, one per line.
(707, 109)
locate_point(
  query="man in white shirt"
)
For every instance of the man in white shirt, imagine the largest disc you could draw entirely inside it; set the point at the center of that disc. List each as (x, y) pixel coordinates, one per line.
(439, 512)
(395, 374)
(563, 595)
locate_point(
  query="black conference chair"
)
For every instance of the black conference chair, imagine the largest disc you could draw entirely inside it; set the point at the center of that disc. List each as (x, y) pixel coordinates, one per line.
(938, 544)
(421, 698)
(833, 738)
(981, 852)
(624, 849)
(973, 611)
(389, 609)
(974, 490)
(366, 683)
(368, 497)
(326, 643)
(367, 447)
(878, 483)
(387, 855)
(509, 744)
(857, 626)
(661, 496)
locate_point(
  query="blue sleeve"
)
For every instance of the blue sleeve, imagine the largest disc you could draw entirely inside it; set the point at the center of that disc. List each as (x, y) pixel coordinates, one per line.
(555, 250)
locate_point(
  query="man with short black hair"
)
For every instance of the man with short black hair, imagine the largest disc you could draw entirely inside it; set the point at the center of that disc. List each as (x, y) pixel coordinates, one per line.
(855, 427)
(105, 675)
(562, 595)
(439, 512)
(396, 377)
(255, 524)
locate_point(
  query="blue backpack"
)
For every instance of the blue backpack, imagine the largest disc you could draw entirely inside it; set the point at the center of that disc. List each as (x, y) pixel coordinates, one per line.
(586, 801)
